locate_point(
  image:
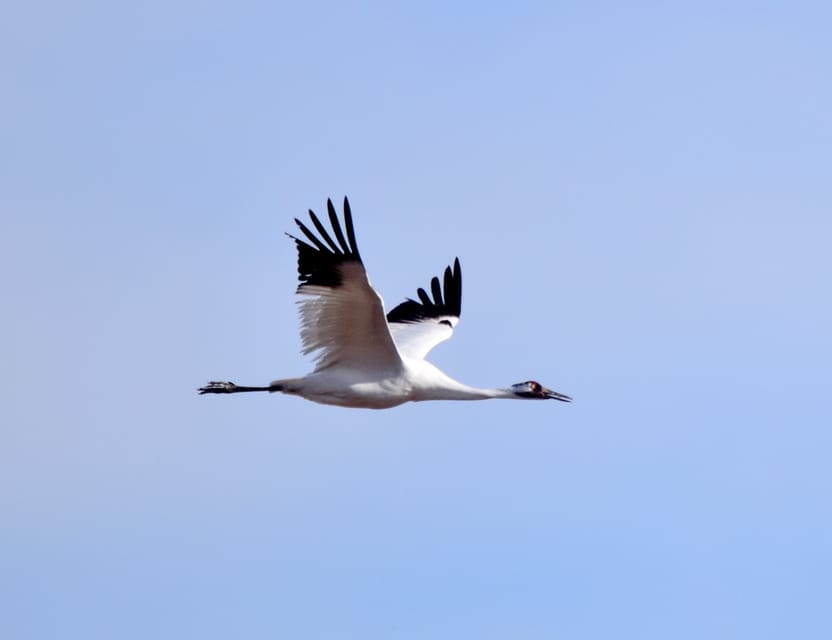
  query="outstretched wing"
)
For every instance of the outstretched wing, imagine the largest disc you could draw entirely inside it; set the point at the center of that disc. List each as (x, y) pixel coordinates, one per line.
(417, 327)
(342, 316)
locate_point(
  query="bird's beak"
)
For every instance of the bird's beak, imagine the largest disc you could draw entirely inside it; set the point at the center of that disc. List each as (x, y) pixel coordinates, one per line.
(554, 395)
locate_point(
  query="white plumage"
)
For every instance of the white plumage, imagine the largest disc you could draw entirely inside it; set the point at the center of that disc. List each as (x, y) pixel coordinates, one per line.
(362, 357)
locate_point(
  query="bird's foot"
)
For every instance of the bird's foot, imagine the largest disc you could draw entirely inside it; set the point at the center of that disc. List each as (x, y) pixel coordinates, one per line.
(218, 387)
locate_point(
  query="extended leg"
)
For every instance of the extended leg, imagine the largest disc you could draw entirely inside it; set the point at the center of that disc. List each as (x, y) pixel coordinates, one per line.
(229, 387)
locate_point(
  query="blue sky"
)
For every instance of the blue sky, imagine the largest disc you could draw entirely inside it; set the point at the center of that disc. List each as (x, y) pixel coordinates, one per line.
(640, 199)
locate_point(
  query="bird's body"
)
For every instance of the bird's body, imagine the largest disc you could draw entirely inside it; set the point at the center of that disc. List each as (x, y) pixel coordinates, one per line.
(364, 358)
(416, 381)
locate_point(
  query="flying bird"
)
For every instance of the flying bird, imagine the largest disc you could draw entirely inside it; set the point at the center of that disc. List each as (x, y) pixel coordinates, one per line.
(362, 357)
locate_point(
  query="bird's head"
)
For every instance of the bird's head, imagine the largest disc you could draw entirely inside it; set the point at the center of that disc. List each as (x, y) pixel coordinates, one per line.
(536, 391)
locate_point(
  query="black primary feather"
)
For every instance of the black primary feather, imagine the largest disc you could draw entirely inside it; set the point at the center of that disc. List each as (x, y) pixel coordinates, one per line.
(319, 263)
(450, 304)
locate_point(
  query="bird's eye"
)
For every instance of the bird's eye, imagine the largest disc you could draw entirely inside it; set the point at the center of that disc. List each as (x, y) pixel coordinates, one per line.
(534, 386)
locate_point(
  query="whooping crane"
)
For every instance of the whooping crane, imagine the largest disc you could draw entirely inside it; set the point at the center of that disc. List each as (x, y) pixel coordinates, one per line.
(364, 359)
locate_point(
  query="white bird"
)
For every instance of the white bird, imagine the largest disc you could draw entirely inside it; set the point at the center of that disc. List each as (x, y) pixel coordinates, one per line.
(364, 359)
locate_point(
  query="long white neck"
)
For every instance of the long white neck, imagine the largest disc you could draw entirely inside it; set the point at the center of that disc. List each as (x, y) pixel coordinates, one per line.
(429, 383)
(464, 392)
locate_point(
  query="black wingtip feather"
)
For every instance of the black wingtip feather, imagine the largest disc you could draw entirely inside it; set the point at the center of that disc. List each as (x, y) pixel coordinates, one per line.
(311, 236)
(322, 230)
(320, 264)
(441, 305)
(336, 226)
(436, 289)
(350, 229)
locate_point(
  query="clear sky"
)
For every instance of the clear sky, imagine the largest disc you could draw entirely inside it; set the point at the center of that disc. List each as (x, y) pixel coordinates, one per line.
(640, 196)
